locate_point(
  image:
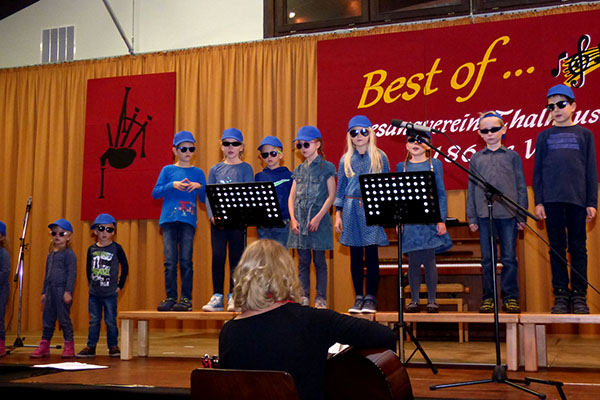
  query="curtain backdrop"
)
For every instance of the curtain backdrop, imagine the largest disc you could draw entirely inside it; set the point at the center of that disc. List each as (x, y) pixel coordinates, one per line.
(263, 88)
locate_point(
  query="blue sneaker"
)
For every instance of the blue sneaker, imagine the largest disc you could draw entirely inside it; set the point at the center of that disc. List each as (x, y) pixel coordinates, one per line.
(214, 304)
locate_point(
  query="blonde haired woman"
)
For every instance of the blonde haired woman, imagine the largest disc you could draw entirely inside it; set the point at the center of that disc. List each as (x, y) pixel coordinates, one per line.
(274, 332)
(362, 157)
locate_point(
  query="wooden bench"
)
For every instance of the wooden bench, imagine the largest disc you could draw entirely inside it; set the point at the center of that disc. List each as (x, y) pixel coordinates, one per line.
(452, 289)
(128, 319)
(511, 321)
(534, 334)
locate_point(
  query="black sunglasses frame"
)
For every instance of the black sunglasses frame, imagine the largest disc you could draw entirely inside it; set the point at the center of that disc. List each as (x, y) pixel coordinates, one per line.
(560, 104)
(61, 234)
(363, 131)
(184, 149)
(102, 228)
(306, 145)
(234, 144)
(266, 154)
(493, 130)
(412, 139)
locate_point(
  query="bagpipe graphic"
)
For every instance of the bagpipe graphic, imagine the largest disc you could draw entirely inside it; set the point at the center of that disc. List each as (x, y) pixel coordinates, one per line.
(129, 128)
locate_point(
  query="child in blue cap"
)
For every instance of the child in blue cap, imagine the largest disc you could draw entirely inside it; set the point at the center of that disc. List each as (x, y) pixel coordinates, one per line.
(271, 152)
(311, 197)
(362, 157)
(507, 221)
(4, 285)
(57, 292)
(231, 170)
(106, 280)
(565, 188)
(181, 185)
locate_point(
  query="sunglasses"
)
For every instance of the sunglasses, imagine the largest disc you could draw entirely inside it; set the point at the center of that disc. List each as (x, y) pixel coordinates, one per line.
(184, 149)
(493, 130)
(234, 144)
(102, 228)
(354, 132)
(413, 139)
(560, 104)
(61, 234)
(266, 154)
(306, 145)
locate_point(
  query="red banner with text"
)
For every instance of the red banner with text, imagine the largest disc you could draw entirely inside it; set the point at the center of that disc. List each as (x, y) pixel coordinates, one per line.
(128, 136)
(443, 78)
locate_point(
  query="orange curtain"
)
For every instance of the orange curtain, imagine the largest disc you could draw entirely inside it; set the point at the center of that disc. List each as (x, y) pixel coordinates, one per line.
(263, 88)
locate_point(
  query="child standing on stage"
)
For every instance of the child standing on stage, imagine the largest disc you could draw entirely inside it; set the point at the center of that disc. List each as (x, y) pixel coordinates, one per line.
(231, 170)
(362, 157)
(311, 197)
(565, 187)
(4, 285)
(57, 292)
(422, 242)
(180, 185)
(502, 168)
(102, 268)
(271, 151)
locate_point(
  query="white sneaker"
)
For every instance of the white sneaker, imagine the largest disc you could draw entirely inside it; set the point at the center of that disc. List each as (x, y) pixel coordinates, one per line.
(214, 304)
(320, 303)
(231, 304)
(304, 301)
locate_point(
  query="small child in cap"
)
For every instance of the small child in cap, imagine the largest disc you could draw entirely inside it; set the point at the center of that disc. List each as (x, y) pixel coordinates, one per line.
(271, 152)
(57, 292)
(106, 279)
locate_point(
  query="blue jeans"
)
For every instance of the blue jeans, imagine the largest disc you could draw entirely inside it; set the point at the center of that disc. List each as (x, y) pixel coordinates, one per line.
(566, 230)
(95, 306)
(178, 246)
(220, 239)
(304, 257)
(277, 234)
(505, 231)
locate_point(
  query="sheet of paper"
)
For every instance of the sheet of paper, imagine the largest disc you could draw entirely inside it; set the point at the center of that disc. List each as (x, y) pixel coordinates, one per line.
(70, 366)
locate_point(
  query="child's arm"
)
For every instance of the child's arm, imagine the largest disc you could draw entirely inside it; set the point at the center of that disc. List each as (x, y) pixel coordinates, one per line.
(342, 182)
(316, 220)
(88, 265)
(124, 267)
(71, 261)
(591, 181)
(522, 198)
(162, 185)
(291, 201)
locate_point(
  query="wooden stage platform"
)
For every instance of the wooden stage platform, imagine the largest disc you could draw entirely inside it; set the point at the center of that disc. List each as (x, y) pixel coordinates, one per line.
(165, 373)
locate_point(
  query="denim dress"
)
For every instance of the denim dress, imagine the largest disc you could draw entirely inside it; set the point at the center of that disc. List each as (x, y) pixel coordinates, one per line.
(356, 231)
(311, 194)
(421, 237)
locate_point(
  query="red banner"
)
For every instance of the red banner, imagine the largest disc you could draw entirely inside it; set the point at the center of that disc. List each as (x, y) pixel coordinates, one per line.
(443, 78)
(128, 135)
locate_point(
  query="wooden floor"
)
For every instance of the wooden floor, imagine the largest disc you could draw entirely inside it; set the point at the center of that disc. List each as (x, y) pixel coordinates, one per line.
(573, 361)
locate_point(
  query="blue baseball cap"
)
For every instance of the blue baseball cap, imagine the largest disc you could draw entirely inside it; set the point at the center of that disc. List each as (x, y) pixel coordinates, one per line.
(183, 136)
(232, 133)
(563, 90)
(307, 133)
(62, 223)
(359, 121)
(2, 228)
(103, 219)
(271, 141)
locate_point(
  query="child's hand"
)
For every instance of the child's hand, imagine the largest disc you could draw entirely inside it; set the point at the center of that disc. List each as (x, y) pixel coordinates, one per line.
(521, 225)
(540, 211)
(591, 214)
(43, 299)
(193, 186)
(473, 227)
(339, 226)
(181, 185)
(441, 228)
(294, 226)
(313, 225)
(67, 298)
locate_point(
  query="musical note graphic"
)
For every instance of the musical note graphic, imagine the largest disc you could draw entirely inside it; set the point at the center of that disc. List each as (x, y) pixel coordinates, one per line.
(576, 67)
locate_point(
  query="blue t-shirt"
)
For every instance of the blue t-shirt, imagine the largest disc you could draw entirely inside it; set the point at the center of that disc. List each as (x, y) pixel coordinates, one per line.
(179, 206)
(282, 178)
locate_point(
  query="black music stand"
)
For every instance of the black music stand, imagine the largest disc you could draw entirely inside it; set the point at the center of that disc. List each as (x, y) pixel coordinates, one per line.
(394, 199)
(240, 205)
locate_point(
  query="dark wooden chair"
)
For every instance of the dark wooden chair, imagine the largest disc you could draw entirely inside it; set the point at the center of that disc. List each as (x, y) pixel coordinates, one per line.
(227, 384)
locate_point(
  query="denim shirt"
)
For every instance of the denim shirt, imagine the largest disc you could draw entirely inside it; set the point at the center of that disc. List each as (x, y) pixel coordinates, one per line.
(311, 194)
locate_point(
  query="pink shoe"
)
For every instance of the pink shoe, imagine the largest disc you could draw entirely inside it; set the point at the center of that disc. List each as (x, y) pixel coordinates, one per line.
(43, 349)
(69, 350)
(2, 348)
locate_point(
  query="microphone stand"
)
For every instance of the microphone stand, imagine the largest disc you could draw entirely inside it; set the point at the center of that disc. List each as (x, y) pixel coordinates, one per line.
(499, 373)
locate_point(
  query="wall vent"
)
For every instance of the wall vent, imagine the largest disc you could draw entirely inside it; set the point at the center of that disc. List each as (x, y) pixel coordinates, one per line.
(58, 44)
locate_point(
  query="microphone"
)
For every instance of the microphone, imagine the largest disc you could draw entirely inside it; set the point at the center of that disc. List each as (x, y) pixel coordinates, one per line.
(29, 203)
(398, 123)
